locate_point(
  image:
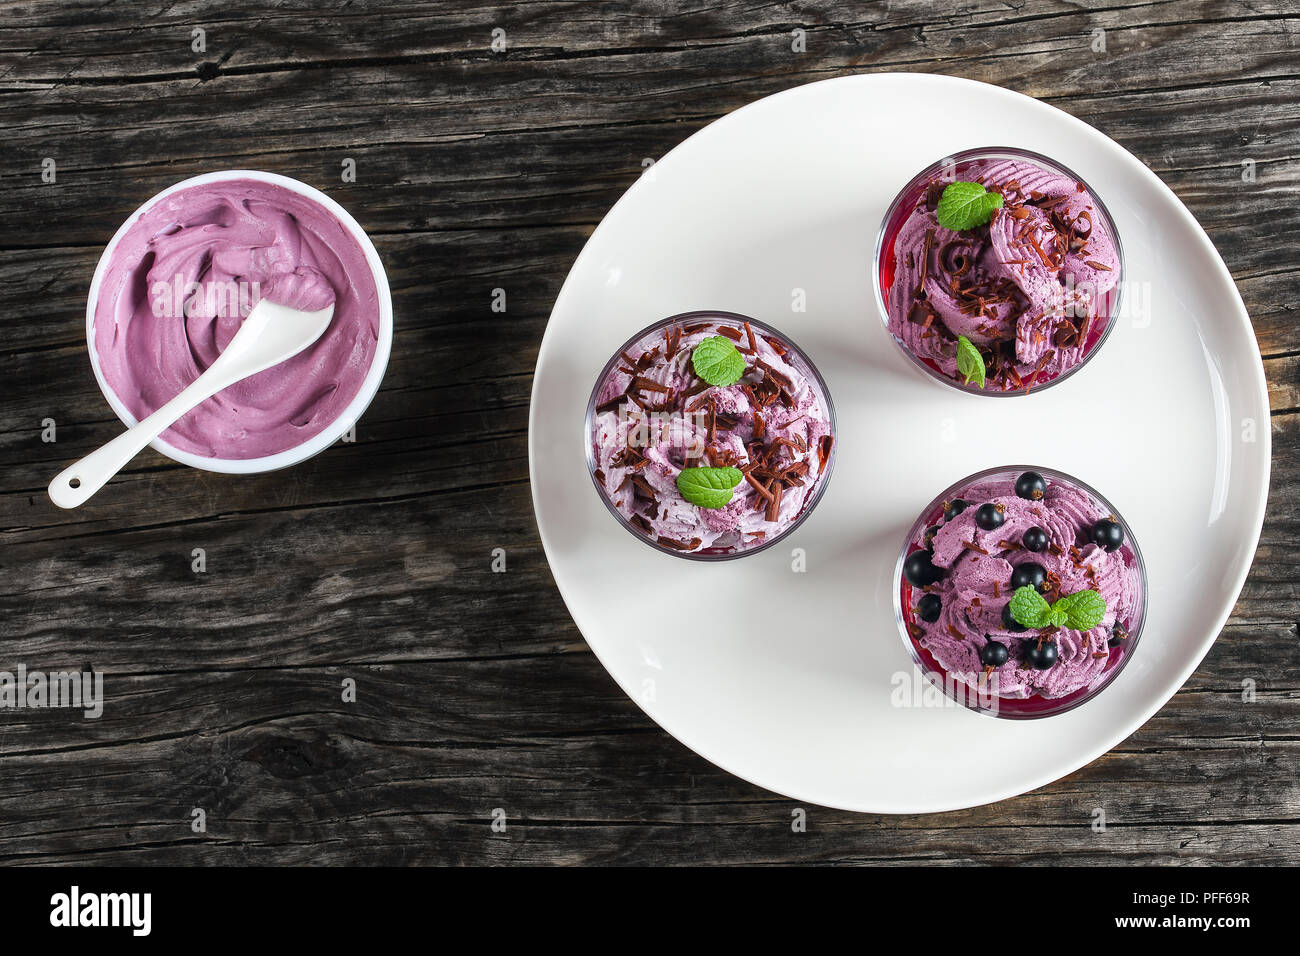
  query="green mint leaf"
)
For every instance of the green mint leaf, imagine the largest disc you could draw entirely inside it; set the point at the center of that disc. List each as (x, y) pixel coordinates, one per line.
(965, 206)
(1082, 610)
(970, 364)
(1030, 608)
(718, 361)
(1056, 617)
(708, 487)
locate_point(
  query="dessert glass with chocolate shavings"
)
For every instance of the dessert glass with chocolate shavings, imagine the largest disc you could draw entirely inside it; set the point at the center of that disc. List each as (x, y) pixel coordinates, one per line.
(969, 553)
(1030, 294)
(710, 435)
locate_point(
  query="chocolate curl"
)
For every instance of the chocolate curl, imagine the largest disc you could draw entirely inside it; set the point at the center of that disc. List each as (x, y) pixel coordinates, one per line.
(774, 506)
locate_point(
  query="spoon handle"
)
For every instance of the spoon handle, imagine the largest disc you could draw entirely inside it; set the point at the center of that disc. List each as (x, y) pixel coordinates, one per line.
(74, 485)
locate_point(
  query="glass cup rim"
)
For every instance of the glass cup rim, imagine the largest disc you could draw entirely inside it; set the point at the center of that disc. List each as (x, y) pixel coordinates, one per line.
(1130, 542)
(982, 152)
(737, 319)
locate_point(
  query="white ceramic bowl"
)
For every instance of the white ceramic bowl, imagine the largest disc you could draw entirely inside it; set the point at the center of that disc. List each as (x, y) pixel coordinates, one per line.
(369, 386)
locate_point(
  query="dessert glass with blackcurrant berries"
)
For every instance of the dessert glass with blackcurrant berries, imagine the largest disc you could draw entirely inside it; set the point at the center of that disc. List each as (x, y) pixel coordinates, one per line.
(998, 271)
(1020, 592)
(710, 435)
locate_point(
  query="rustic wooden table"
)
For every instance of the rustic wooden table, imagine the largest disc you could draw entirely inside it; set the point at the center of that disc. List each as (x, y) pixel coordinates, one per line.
(477, 169)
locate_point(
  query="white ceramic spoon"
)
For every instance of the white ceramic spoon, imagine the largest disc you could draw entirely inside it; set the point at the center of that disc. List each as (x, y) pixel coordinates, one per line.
(270, 334)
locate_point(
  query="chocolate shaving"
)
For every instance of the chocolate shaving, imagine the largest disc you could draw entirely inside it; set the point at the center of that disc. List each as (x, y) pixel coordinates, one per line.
(696, 389)
(824, 450)
(1066, 336)
(780, 378)
(1042, 363)
(647, 385)
(678, 545)
(729, 332)
(673, 339)
(925, 263)
(1085, 328)
(767, 495)
(920, 313)
(774, 506)
(643, 486)
(628, 456)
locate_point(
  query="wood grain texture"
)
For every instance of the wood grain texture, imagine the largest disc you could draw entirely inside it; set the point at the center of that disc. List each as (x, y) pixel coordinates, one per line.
(479, 170)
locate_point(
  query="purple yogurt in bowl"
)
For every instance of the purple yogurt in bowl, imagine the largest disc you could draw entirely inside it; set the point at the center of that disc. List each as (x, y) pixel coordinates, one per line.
(962, 562)
(651, 417)
(1034, 290)
(180, 276)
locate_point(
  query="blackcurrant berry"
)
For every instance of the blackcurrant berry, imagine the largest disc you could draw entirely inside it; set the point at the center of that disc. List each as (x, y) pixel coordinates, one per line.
(1040, 653)
(953, 508)
(1030, 574)
(1031, 486)
(1034, 539)
(1009, 622)
(928, 608)
(989, 516)
(919, 569)
(994, 654)
(1107, 533)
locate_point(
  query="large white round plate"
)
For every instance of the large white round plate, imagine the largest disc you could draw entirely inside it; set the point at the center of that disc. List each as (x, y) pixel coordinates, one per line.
(788, 679)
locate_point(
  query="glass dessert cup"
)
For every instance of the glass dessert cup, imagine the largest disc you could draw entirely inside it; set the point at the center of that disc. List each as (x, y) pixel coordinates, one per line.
(1090, 325)
(1094, 662)
(694, 423)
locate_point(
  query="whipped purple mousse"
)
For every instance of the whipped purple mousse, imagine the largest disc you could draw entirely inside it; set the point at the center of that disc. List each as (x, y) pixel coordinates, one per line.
(1031, 289)
(654, 416)
(1049, 543)
(179, 283)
